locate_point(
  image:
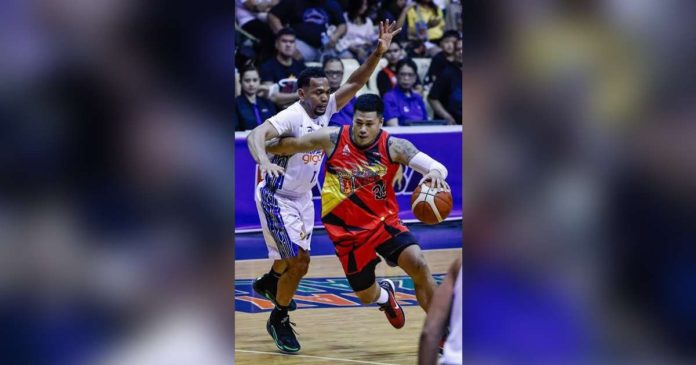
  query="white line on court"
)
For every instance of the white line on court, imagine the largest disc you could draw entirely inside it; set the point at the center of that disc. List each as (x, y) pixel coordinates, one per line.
(315, 357)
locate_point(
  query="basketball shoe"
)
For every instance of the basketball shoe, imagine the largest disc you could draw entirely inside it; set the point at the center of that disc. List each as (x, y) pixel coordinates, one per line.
(280, 328)
(267, 286)
(392, 309)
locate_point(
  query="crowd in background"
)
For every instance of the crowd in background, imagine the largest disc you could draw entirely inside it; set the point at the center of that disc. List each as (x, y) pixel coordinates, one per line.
(277, 39)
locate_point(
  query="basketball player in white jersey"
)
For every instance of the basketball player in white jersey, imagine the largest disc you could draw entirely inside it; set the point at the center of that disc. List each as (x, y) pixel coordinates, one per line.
(446, 303)
(284, 196)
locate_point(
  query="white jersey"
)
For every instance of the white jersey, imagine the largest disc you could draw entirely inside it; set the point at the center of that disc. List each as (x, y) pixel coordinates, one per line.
(301, 169)
(452, 353)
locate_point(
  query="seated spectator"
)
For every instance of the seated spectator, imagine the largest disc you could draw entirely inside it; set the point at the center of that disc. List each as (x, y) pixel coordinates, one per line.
(445, 96)
(395, 10)
(402, 103)
(310, 19)
(282, 66)
(250, 109)
(440, 61)
(425, 24)
(333, 68)
(360, 34)
(251, 17)
(386, 78)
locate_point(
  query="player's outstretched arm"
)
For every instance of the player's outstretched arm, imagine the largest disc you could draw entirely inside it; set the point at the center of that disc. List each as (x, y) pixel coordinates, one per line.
(359, 77)
(323, 139)
(404, 152)
(436, 319)
(256, 141)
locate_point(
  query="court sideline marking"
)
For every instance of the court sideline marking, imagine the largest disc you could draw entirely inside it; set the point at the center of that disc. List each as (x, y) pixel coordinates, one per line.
(315, 357)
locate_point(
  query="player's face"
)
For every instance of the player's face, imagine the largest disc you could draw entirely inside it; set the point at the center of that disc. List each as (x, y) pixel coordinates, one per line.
(334, 72)
(366, 127)
(316, 95)
(250, 82)
(286, 45)
(406, 77)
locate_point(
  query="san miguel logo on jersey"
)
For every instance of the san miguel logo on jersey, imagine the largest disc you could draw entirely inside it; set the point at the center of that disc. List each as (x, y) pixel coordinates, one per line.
(351, 180)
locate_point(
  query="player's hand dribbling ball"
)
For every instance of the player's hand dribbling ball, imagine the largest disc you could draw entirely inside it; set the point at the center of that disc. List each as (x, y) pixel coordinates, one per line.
(430, 205)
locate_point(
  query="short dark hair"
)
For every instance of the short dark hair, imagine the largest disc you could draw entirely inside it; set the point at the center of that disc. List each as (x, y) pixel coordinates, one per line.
(285, 31)
(309, 73)
(408, 62)
(328, 59)
(451, 34)
(369, 103)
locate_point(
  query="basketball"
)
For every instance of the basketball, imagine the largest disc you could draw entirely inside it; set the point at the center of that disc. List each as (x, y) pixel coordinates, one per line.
(430, 205)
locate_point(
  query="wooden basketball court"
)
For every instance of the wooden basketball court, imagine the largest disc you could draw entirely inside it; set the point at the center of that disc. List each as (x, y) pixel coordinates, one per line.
(355, 335)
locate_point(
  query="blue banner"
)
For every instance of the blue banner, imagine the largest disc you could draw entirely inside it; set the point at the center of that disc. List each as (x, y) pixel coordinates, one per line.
(443, 143)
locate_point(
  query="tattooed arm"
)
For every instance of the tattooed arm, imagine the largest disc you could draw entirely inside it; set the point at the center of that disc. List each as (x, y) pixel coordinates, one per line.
(404, 152)
(322, 139)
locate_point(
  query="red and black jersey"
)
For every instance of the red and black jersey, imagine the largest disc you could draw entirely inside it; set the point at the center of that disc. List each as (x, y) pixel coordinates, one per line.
(358, 199)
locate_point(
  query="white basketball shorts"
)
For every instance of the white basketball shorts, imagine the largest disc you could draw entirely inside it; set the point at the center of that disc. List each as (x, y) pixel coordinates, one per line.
(286, 222)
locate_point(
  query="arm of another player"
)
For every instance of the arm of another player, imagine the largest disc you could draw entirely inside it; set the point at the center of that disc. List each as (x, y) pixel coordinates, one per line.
(256, 141)
(436, 319)
(359, 77)
(324, 139)
(404, 152)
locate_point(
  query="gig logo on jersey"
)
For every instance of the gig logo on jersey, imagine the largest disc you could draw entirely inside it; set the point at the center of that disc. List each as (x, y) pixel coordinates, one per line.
(314, 293)
(313, 157)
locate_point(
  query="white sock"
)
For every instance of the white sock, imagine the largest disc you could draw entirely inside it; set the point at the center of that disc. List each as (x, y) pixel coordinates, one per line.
(383, 296)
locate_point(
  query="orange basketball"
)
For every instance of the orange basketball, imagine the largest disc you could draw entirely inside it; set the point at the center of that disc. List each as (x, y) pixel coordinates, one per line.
(430, 205)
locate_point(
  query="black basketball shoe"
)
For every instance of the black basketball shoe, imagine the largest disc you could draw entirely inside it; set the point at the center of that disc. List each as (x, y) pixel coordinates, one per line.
(280, 328)
(267, 287)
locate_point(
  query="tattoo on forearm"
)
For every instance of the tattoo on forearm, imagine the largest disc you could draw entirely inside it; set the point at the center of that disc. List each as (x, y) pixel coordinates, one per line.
(404, 149)
(333, 137)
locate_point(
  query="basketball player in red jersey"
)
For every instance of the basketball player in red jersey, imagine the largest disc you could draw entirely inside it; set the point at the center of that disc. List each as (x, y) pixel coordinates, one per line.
(359, 208)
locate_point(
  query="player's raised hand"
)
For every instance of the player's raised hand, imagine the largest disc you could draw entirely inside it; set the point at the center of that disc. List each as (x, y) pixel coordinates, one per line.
(436, 180)
(387, 31)
(271, 169)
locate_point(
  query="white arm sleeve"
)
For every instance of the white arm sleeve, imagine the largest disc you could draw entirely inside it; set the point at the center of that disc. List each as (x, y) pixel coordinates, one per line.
(424, 164)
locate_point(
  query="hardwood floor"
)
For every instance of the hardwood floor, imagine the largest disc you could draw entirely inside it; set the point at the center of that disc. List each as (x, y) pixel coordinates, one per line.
(355, 335)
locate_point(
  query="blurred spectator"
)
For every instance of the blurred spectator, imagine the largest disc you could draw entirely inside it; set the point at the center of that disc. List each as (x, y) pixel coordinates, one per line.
(395, 10)
(425, 24)
(251, 16)
(445, 96)
(312, 20)
(333, 68)
(281, 67)
(402, 103)
(360, 34)
(453, 16)
(386, 78)
(251, 110)
(440, 61)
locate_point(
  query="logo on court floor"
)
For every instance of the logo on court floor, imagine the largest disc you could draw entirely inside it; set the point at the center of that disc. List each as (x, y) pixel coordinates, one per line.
(315, 293)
